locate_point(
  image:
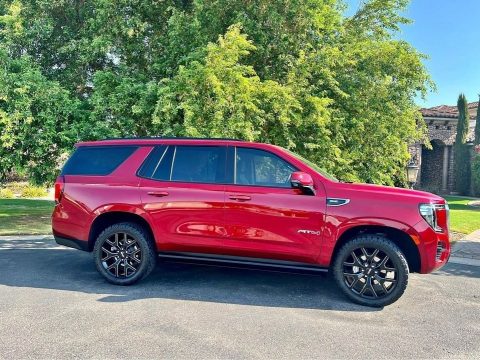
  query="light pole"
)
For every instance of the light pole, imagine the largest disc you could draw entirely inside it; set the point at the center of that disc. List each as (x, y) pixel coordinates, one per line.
(412, 171)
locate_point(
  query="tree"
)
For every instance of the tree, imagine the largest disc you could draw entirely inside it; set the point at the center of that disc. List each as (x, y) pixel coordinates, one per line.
(477, 125)
(476, 158)
(461, 150)
(36, 119)
(338, 90)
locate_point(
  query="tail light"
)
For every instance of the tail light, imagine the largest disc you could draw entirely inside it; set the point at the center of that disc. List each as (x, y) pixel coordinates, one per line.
(436, 215)
(59, 185)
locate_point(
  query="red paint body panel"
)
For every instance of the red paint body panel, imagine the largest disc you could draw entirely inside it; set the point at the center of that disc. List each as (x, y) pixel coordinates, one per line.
(189, 218)
(253, 221)
(268, 224)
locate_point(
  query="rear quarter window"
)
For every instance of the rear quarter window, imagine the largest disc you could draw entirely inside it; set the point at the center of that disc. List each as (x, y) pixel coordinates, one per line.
(97, 160)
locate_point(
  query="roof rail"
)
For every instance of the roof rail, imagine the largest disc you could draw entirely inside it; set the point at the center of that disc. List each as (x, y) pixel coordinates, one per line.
(167, 138)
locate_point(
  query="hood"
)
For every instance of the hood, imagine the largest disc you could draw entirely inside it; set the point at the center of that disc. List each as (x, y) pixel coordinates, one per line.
(389, 191)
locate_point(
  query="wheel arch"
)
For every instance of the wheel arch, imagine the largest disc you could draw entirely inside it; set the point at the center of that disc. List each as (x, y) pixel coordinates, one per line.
(400, 238)
(109, 218)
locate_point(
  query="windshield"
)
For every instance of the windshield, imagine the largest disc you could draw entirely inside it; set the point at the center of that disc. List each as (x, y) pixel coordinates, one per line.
(312, 165)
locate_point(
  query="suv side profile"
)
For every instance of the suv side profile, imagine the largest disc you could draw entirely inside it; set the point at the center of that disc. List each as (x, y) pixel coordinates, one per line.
(130, 201)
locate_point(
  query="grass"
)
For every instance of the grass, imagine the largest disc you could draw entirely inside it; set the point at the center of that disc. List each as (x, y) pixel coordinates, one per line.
(463, 217)
(23, 216)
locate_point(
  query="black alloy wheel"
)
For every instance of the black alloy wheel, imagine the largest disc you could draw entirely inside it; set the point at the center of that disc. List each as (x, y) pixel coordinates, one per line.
(121, 255)
(369, 273)
(371, 270)
(124, 253)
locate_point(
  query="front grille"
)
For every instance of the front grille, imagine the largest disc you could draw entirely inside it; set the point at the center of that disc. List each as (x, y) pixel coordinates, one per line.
(440, 249)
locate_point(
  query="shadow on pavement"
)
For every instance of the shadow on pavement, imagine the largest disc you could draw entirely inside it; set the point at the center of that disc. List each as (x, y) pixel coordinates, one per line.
(42, 264)
(453, 269)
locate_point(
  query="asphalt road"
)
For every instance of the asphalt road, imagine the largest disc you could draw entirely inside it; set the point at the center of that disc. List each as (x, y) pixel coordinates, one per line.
(53, 304)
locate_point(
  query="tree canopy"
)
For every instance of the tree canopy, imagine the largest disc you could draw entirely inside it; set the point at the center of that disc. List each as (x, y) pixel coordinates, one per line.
(337, 89)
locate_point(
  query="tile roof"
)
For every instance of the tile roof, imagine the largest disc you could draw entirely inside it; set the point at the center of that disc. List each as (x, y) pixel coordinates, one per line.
(446, 111)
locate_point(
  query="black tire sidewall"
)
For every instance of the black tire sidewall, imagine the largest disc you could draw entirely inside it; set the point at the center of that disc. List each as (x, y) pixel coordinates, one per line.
(395, 255)
(148, 256)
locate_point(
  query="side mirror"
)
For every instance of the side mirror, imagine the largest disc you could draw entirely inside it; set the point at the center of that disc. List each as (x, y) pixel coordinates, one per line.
(302, 181)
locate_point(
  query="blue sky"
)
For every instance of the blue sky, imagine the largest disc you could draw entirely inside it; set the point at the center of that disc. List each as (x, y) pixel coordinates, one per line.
(448, 31)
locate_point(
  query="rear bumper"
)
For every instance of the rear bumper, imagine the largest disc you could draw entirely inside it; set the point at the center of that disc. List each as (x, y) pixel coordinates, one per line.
(73, 243)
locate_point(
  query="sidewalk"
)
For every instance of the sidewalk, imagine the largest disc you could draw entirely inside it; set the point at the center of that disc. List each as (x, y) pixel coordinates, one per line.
(467, 250)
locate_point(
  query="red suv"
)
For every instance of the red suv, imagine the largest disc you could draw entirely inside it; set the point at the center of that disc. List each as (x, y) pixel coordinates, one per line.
(130, 201)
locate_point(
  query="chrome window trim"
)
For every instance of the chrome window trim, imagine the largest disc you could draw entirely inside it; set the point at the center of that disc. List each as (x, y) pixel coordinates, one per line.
(159, 161)
(173, 162)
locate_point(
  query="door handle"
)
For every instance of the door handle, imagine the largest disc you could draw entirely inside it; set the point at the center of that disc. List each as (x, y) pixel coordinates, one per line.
(239, 197)
(158, 193)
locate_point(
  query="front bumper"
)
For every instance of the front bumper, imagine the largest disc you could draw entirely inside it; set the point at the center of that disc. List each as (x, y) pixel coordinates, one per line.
(434, 247)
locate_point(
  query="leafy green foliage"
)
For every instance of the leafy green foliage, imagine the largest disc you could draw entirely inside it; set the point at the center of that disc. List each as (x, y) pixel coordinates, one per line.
(477, 126)
(476, 174)
(463, 120)
(36, 117)
(338, 90)
(461, 150)
(34, 192)
(6, 194)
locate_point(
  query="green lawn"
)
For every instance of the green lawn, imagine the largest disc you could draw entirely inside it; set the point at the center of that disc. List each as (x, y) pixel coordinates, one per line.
(23, 216)
(463, 218)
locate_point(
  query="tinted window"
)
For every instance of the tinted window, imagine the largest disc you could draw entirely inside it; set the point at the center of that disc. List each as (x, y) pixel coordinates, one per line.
(158, 163)
(261, 168)
(97, 160)
(146, 170)
(203, 164)
(163, 169)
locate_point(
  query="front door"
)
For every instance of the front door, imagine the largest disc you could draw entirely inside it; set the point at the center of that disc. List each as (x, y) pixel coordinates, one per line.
(182, 189)
(265, 216)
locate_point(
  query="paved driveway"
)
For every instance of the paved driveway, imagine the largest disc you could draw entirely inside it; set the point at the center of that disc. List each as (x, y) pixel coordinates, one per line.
(54, 304)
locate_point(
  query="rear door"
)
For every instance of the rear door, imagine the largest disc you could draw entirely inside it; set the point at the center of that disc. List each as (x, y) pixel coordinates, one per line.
(265, 216)
(182, 188)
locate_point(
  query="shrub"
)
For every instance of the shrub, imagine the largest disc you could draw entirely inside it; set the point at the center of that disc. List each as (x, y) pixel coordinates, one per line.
(462, 168)
(476, 174)
(17, 187)
(33, 192)
(6, 194)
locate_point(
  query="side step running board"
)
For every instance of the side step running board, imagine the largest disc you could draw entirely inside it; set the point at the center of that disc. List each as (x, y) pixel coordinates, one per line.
(234, 261)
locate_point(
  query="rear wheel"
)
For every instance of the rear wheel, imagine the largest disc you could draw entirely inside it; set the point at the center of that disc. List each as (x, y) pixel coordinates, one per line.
(124, 253)
(371, 270)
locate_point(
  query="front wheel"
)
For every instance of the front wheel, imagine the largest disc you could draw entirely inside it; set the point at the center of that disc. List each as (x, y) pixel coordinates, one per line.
(124, 253)
(371, 270)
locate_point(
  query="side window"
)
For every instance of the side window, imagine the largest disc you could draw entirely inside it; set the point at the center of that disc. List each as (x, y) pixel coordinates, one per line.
(97, 160)
(261, 168)
(203, 164)
(158, 163)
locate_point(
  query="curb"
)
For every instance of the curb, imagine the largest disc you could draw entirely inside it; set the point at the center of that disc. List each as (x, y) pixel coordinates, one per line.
(25, 237)
(463, 261)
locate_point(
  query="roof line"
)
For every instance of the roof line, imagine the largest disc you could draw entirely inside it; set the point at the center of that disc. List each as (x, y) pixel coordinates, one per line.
(166, 138)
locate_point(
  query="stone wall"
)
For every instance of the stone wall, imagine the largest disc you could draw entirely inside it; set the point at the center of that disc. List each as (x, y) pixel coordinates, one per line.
(441, 133)
(442, 130)
(432, 168)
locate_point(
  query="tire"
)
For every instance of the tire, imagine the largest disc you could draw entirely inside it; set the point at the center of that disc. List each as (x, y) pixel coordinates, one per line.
(378, 273)
(124, 253)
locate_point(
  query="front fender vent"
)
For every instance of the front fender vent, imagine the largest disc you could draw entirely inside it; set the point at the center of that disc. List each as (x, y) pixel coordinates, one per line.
(337, 201)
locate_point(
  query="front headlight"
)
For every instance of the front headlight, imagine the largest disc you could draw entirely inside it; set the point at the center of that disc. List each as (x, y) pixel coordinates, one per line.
(430, 213)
